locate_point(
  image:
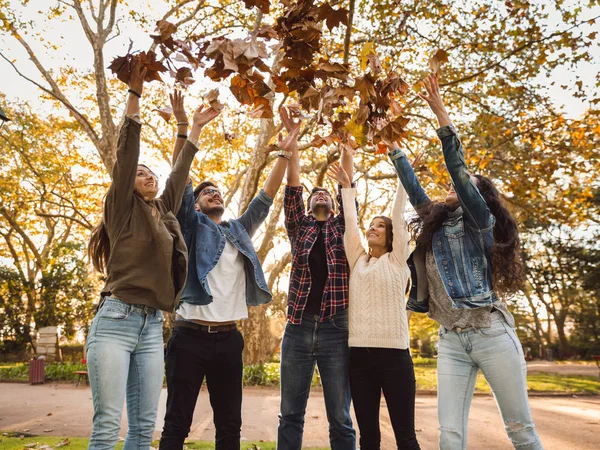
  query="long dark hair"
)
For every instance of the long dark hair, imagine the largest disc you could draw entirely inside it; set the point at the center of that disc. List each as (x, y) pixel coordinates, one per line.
(99, 245)
(507, 265)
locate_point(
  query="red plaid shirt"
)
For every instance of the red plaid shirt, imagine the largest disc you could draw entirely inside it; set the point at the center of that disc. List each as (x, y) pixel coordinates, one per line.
(303, 230)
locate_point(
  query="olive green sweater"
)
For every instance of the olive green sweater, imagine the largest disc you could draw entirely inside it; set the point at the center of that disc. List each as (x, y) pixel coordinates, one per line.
(148, 256)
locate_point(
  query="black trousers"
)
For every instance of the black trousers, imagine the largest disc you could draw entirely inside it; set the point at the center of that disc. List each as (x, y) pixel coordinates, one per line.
(191, 356)
(391, 371)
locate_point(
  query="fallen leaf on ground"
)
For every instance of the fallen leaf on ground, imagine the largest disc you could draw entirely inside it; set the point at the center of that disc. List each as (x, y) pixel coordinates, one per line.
(64, 443)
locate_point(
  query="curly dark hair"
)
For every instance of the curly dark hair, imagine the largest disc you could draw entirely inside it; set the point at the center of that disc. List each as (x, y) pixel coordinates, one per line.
(507, 264)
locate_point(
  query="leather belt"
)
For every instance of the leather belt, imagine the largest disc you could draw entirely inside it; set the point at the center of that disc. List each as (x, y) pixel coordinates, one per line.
(205, 328)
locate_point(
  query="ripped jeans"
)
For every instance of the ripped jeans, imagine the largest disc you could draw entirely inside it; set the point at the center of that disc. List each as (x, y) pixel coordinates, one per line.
(498, 353)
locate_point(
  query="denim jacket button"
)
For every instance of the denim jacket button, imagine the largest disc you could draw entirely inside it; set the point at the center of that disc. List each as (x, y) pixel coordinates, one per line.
(439, 243)
(444, 262)
(449, 283)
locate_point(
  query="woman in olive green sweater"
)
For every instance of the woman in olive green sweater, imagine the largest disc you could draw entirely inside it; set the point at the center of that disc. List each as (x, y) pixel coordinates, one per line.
(139, 246)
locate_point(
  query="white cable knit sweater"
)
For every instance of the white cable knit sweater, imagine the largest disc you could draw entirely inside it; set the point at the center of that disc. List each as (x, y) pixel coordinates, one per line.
(377, 310)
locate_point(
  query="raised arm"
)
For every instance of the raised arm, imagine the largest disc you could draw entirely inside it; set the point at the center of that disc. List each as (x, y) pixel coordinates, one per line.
(347, 164)
(401, 238)
(258, 209)
(180, 172)
(352, 237)
(293, 168)
(416, 194)
(177, 104)
(120, 194)
(288, 148)
(474, 206)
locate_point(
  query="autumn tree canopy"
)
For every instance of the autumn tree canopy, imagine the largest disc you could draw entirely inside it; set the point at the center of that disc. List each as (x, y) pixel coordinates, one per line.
(351, 68)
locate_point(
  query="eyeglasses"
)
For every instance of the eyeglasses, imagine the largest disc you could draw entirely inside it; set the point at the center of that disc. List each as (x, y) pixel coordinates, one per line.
(210, 192)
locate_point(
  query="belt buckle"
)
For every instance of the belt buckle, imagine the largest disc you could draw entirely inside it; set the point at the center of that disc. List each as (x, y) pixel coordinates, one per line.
(212, 332)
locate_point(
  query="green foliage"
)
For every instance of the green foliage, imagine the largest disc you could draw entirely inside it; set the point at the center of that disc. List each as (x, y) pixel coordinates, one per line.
(66, 291)
(14, 329)
(268, 375)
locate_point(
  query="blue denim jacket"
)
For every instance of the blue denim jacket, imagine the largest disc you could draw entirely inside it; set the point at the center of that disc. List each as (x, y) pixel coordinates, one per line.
(462, 246)
(205, 241)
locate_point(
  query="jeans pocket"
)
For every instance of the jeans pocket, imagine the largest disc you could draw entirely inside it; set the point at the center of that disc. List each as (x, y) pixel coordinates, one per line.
(113, 310)
(492, 332)
(341, 322)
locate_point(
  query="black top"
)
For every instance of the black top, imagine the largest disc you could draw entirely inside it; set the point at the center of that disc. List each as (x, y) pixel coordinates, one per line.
(317, 262)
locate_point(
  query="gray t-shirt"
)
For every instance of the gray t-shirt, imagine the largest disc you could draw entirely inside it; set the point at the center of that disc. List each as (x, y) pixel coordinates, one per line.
(440, 305)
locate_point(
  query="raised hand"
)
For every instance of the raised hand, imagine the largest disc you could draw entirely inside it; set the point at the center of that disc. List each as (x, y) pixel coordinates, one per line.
(287, 120)
(177, 98)
(290, 143)
(434, 99)
(203, 116)
(137, 75)
(337, 173)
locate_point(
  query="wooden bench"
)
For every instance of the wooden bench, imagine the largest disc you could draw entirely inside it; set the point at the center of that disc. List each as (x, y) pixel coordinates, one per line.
(82, 374)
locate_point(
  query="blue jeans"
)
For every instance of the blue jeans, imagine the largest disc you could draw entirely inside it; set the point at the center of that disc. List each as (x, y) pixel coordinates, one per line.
(304, 345)
(498, 353)
(125, 357)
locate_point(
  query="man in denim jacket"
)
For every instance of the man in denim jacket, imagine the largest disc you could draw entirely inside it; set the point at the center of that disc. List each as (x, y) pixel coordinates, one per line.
(224, 278)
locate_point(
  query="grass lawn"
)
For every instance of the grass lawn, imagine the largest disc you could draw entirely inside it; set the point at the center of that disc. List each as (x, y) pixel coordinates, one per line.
(10, 441)
(268, 375)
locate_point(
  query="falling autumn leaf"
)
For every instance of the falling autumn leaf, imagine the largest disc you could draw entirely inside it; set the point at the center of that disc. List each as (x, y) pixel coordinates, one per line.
(165, 112)
(165, 29)
(440, 57)
(263, 5)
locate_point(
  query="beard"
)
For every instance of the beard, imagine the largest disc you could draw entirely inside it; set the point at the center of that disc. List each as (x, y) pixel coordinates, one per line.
(212, 210)
(321, 209)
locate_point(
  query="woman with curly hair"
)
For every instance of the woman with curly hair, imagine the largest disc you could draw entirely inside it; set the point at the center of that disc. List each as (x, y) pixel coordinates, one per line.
(467, 253)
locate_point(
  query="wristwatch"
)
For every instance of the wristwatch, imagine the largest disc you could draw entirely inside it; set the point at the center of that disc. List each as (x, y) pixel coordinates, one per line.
(285, 154)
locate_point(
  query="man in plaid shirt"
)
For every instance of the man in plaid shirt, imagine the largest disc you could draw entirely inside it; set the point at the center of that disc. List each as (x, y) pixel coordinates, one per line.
(317, 317)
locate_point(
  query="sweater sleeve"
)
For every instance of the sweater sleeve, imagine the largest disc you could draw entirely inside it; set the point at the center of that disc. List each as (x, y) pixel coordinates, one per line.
(400, 247)
(352, 238)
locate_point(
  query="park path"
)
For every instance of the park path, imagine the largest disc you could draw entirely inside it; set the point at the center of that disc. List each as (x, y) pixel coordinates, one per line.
(63, 410)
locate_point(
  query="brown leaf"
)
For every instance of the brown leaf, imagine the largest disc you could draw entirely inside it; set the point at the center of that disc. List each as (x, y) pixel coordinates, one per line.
(362, 115)
(375, 64)
(382, 149)
(212, 98)
(63, 443)
(333, 17)
(280, 84)
(165, 112)
(262, 112)
(440, 57)
(393, 131)
(120, 67)
(267, 32)
(365, 85)
(166, 29)
(319, 141)
(263, 5)
(184, 74)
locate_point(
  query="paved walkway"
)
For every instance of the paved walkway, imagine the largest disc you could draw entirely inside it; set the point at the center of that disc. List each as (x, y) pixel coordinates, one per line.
(563, 369)
(63, 410)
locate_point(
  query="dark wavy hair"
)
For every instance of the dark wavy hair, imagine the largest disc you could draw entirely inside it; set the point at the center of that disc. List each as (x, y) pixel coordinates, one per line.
(507, 264)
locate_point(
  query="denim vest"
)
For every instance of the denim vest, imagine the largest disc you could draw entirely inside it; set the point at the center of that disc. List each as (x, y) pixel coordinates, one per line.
(462, 247)
(205, 241)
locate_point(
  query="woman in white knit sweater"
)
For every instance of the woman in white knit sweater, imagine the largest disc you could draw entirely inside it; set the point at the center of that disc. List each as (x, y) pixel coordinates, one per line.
(378, 327)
